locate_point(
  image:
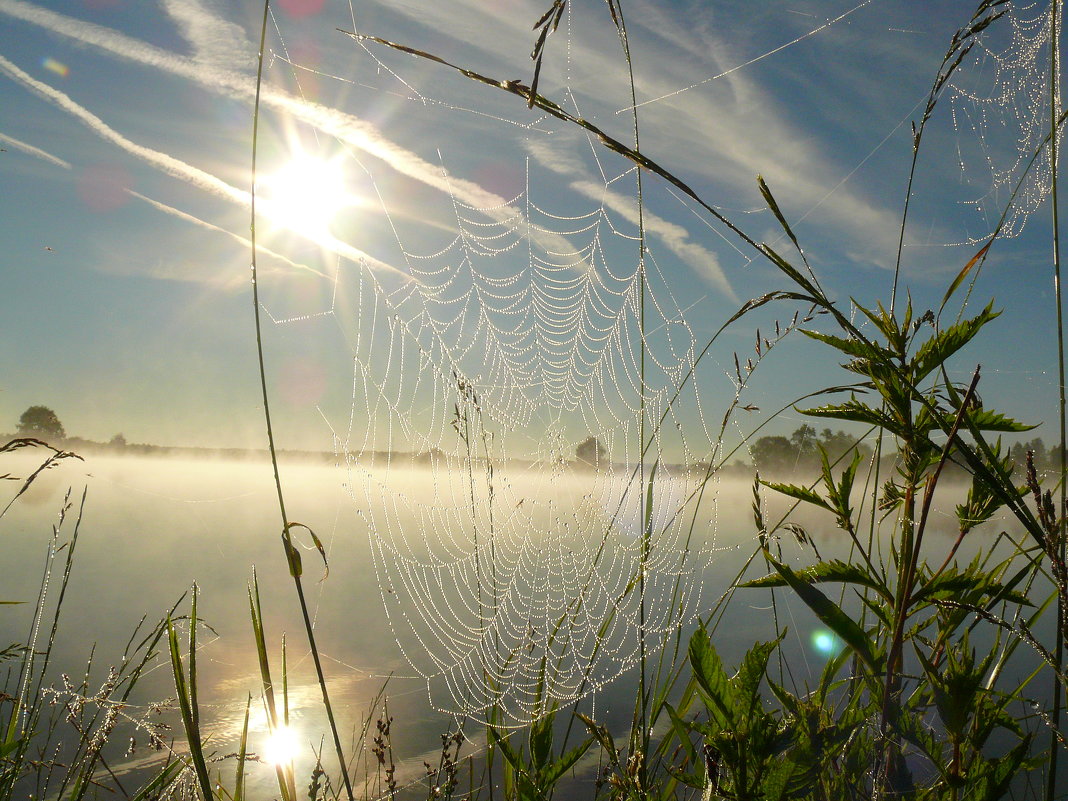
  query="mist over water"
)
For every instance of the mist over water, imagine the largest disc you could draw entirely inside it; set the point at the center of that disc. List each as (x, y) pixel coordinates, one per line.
(153, 526)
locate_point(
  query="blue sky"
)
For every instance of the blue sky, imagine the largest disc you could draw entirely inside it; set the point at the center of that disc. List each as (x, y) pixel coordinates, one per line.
(476, 235)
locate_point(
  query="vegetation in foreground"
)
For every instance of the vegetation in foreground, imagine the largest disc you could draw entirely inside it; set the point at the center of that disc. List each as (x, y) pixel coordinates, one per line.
(911, 707)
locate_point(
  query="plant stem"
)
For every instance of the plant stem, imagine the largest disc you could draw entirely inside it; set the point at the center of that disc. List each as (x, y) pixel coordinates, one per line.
(286, 536)
(1055, 100)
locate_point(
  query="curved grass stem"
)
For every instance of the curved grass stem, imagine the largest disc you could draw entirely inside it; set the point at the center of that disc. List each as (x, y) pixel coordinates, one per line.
(286, 536)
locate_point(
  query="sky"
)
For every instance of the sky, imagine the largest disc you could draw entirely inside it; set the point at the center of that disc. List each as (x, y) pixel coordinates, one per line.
(457, 239)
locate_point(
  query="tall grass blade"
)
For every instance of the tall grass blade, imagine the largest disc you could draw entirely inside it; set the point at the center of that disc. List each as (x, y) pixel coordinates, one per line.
(189, 719)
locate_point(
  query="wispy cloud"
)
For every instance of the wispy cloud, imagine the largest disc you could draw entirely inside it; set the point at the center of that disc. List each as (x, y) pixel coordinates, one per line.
(345, 127)
(34, 151)
(216, 41)
(675, 237)
(740, 126)
(174, 167)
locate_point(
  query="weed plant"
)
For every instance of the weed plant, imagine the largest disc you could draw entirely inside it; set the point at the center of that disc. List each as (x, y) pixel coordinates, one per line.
(58, 737)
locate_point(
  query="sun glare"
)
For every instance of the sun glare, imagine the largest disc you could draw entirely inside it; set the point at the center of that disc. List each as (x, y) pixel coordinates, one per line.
(306, 195)
(282, 746)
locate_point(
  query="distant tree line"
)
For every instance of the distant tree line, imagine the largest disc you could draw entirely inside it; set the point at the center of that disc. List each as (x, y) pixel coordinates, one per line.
(800, 451)
(41, 422)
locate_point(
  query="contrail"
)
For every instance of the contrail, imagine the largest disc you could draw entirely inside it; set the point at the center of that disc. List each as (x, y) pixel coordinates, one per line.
(168, 164)
(34, 151)
(187, 217)
(346, 127)
(176, 168)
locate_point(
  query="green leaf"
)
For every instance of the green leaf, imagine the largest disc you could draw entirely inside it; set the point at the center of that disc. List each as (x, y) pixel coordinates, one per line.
(934, 352)
(864, 351)
(541, 740)
(804, 494)
(777, 778)
(159, 785)
(709, 674)
(1000, 773)
(566, 761)
(192, 732)
(239, 779)
(746, 682)
(511, 756)
(831, 615)
(682, 732)
(952, 585)
(9, 746)
(856, 412)
(887, 326)
(834, 570)
(989, 420)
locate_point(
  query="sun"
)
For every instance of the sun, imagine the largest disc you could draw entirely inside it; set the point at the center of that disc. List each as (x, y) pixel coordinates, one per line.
(306, 194)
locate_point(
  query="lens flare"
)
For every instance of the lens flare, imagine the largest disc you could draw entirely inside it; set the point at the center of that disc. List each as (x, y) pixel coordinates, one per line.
(824, 642)
(282, 746)
(302, 8)
(58, 67)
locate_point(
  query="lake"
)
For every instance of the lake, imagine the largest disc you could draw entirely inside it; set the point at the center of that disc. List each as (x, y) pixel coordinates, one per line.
(398, 539)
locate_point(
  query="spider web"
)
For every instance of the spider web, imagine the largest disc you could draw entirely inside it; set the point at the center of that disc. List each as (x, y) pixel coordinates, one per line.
(1000, 111)
(510, 580)
(532, 424)
(516, 575)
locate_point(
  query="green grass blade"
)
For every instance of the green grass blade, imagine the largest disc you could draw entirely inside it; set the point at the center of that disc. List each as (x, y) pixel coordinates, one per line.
(192, 733)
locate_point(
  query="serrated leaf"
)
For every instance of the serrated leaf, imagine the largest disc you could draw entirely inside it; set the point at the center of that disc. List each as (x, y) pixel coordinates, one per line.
(777, 778)
(833, 570)
(989, 420)
(566, 762)
(541, 740)
(746, 682)
(511, 756)
(934, 352)
(953, 585)
(865, 352)
(800, 493)
(856, 412)
(709, 674)
(831, 615)
(886, 324)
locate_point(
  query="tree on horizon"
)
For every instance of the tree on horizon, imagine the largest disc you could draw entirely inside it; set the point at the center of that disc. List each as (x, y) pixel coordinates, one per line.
(591, 452)
(41, 421)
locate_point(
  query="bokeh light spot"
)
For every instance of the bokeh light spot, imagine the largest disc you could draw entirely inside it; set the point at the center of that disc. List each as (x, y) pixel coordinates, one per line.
(301, 8)
(58, 67)
(302, 383)
(103, 187)
(824, 642)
